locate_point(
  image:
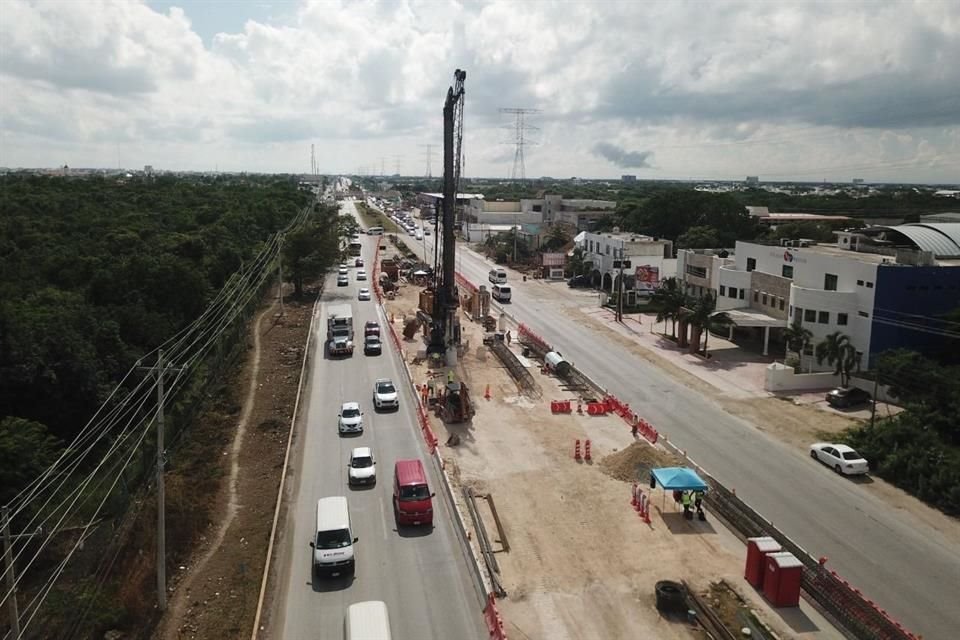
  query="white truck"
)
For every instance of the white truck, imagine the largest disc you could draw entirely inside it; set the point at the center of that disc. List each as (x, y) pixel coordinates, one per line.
(340, 330)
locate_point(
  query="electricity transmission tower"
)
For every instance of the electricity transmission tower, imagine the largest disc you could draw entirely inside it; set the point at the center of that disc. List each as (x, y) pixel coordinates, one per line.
(397, 160)
(519, 130)
(428, 152)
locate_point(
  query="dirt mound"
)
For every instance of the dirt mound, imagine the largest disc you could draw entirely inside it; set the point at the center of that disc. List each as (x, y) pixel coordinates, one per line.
(633, 462)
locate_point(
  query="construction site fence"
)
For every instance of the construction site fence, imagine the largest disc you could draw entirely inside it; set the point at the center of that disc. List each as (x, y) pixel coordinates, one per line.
(859, 616)
(493, 619)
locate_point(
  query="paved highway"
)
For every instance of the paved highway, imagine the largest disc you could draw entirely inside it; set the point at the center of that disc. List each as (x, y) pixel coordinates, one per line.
(908, 568)
(420, 574)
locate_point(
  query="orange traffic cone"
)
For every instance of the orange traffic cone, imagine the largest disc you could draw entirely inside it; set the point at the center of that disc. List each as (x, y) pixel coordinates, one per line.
(586, 451)
(576, 451)
(486, 394)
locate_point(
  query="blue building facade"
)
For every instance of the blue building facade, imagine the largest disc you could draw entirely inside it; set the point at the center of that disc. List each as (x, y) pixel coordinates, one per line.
(909, 295)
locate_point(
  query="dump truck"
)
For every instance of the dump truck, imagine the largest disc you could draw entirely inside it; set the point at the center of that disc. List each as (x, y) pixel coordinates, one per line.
(340, 330)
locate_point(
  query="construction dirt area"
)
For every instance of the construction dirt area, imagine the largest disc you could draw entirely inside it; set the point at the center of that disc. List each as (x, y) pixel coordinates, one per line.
(575, 559)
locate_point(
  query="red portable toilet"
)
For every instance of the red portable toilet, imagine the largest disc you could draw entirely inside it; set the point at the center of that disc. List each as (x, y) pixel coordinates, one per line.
(781, 581)
(757, 549)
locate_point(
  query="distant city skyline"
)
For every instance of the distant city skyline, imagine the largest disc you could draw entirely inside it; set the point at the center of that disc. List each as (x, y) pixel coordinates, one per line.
(664, 91)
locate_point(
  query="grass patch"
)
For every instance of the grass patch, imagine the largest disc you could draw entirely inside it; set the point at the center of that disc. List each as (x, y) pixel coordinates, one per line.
(373, 218)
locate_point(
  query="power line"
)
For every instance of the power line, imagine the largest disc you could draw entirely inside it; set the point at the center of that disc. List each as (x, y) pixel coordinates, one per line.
(520, 128)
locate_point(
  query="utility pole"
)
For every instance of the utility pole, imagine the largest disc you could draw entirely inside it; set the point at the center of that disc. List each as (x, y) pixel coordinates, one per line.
(160, 370)
(620, 288)
(520, 140)
(428, 152)
(873, 409)
(280, 276)
(514, 239)
(11, 582)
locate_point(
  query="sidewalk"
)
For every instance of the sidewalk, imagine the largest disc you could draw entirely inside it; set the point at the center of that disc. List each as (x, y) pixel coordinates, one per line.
(732, 371)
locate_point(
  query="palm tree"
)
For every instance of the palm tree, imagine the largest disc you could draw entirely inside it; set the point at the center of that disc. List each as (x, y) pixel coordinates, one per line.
(671, 300)
(839, 353)
(797, 338)
(705, 318)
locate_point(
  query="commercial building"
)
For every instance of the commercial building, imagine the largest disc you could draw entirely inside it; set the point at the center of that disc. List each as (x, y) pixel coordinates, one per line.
(884, 287)
(646, 260)
(551, 209)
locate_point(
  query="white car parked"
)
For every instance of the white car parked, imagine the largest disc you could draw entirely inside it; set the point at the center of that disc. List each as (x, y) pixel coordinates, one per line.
(385, 395)
(350, 418)
(361, 468)
(839, 457)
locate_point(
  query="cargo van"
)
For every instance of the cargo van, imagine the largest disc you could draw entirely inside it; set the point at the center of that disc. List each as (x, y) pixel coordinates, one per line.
(333, 546)
(501, 293)
(367, 621)
(497, 276)
(412, 500)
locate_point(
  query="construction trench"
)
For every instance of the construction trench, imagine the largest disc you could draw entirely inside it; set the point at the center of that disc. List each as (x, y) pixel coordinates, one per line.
(561, 550)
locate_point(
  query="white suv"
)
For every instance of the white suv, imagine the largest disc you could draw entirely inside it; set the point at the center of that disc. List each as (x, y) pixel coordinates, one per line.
(385, 395)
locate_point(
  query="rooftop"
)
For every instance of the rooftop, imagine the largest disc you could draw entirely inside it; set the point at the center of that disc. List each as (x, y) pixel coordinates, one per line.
(626, 237)
(460, 196)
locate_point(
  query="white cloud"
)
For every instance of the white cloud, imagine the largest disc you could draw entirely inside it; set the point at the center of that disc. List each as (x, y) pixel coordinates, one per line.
(720, 89)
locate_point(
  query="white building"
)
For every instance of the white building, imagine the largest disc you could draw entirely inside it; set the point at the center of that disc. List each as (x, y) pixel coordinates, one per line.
(881, 287)
(647, 260)
(550, 209)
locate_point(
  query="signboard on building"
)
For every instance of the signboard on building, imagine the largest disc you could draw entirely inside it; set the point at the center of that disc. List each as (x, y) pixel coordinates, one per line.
(647, 278)
(554, 259)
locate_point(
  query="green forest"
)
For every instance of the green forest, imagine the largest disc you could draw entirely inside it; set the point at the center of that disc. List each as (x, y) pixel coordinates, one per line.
(918, 449)
(96, 272)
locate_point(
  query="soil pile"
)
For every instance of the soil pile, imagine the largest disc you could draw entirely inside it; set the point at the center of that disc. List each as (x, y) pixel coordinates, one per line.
(632, 463)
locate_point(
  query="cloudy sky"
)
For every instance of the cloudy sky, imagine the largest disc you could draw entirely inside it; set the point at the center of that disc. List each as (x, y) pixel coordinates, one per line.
(783, 90)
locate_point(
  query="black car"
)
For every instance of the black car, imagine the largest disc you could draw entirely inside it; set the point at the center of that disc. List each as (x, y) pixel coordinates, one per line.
(372, 345)
(842, 398)
(582, 281)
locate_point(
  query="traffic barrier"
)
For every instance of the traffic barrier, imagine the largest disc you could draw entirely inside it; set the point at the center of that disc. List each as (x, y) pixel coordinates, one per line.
(554, 406)
(493, 619)
(586, 451)
(576, 451)
(524, 334)
(567, 407)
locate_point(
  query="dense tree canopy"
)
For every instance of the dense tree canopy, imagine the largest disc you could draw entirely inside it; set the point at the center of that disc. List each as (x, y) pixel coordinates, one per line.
(918, 449)
(95, 272)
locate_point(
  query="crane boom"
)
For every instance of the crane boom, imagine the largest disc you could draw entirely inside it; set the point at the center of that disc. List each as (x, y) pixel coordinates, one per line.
(445, 333)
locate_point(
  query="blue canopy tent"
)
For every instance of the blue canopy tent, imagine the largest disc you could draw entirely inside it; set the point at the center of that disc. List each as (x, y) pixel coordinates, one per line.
(676, 479)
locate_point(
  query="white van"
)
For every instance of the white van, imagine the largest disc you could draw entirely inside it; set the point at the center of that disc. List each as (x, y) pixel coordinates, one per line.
(501, 293)
(375, 231)
(367, 621)
(333, 547)
(497, 276)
